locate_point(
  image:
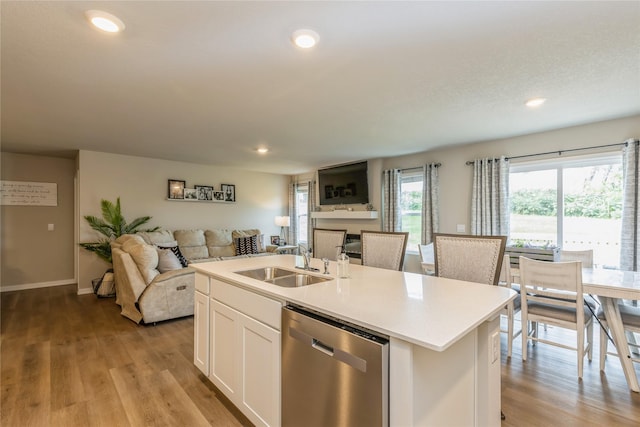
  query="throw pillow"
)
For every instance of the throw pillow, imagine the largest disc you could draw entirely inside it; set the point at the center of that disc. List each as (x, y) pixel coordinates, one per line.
(176, 251)
(246, 245)
(167, 260)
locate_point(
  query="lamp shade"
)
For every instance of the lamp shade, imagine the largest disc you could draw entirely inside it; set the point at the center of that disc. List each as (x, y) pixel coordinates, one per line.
(282, 221)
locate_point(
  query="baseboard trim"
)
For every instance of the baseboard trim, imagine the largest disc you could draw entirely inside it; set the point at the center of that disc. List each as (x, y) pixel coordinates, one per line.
(38, 285)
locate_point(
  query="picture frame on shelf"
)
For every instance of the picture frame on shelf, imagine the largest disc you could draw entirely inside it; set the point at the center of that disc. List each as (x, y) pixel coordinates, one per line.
(204, 192)
(190, 194)
(176, 189)
(229, 191)
(218, 196)
(275, 240)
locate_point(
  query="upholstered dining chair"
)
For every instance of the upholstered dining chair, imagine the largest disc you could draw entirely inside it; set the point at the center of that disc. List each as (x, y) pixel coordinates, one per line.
(471, 258)
(426, 258)
(585, 256)
(551, 293)
(631, 323)
(384, 249)
(326, 242)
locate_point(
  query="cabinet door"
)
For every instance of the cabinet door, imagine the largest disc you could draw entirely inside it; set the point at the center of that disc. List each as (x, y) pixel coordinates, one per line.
(225, 350)
(201, 332)
(261, 372)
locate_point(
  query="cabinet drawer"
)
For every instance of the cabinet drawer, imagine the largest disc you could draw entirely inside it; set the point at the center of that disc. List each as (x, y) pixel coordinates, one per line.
(261, 308)
(202, 283)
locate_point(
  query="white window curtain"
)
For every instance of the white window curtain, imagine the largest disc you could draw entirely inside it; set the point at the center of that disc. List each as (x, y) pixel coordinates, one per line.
(490, 197)
(430, 202)
(630, 239)
(292, 238)
(311, 222)
(392, 215)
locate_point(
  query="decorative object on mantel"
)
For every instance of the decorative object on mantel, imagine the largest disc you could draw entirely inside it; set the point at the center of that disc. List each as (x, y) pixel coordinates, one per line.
(176, 189)
(369, 207)
(112, 225)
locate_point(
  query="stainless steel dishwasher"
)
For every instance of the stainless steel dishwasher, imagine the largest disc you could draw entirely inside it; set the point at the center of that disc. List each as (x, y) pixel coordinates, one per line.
(333, 374)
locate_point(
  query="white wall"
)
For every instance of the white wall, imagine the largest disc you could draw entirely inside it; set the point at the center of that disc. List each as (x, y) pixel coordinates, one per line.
(33, 256)
(141, 184)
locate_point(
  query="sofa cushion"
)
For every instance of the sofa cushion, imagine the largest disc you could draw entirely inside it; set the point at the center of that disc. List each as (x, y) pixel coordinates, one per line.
(167, 260)
(246, 245)
(145, 256)
(219, 243)
(192, 243)
(251, 232)
(157, 237)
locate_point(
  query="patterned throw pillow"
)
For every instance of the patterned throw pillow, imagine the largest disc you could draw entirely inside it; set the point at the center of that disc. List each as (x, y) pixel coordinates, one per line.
(177, 253)
(246, 245)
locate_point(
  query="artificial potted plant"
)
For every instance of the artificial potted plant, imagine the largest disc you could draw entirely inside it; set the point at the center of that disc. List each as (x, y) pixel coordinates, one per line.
(111, 226)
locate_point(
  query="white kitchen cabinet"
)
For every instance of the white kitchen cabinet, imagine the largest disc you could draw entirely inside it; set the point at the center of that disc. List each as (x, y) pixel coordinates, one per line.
(201, 324)
(245, 351)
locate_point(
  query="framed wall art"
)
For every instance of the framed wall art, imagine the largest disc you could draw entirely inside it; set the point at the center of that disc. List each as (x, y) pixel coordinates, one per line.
(229, 191)
(205, 192)
(176, 189)
(190, 194)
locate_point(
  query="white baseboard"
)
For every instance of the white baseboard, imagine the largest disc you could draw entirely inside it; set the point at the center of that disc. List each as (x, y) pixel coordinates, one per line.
(41, 285)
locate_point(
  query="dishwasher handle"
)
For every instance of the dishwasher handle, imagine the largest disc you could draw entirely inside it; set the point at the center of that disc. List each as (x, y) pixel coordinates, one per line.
(320, 346)
(340, 355)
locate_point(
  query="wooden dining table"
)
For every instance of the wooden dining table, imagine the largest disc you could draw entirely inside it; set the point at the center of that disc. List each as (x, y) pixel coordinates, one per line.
(611, 286)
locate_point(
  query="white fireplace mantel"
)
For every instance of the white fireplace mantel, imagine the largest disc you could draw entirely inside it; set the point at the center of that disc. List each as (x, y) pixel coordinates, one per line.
(345, 214)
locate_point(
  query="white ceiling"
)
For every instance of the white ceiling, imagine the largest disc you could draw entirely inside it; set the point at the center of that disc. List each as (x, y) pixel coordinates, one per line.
(209, 82)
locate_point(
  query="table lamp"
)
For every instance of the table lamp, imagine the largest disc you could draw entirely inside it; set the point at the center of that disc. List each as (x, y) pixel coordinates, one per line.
(282, 221)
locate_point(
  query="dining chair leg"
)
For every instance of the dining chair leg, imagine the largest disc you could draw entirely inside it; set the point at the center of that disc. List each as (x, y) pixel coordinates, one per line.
(509, 329)
(525, 338)
(580, 350)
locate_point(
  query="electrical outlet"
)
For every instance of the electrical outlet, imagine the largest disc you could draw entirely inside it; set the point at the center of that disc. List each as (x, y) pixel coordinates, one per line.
(50, 227)
(495, 346)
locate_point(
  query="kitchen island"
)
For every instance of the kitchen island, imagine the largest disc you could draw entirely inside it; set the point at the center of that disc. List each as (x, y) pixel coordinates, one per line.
(444, 343)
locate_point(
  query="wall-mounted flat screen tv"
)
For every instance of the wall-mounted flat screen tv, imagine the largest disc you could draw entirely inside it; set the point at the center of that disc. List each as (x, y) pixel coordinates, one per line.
(344, 184)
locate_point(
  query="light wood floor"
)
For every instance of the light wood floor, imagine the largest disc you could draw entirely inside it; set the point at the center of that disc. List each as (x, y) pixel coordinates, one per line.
(69, 360)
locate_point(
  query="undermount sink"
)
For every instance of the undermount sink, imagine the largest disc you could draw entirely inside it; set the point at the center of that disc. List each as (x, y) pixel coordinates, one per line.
(283, 277)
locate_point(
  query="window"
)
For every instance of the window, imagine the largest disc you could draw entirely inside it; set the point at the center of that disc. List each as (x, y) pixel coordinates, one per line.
(575, 204)
(302, 209)
(411, 207)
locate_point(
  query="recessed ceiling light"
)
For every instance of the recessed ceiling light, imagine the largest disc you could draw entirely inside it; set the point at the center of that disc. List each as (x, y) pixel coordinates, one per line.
(535, 102)
(262, 150)
(105, 21)
(304, 38)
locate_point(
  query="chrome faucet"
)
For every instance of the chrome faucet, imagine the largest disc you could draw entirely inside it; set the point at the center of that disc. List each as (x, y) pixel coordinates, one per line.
(306, 255)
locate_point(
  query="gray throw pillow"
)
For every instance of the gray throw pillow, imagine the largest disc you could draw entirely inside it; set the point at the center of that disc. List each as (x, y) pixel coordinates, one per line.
(167, 260)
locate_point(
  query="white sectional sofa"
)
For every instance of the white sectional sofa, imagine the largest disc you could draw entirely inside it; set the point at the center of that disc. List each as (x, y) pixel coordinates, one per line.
(152, 279)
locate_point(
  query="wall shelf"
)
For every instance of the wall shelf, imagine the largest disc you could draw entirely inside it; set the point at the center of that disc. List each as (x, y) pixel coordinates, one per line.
(345, 214)
(199, 201)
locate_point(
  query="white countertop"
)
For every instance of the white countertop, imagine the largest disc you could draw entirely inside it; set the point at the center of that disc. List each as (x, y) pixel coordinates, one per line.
(429, 311)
